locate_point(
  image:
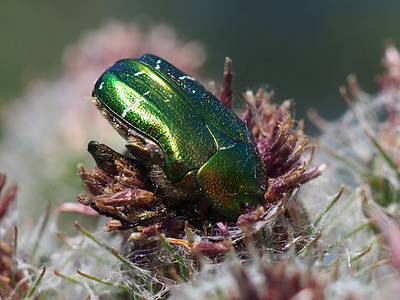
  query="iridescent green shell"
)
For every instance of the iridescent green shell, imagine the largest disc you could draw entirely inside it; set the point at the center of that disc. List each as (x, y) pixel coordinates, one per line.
(197, 142)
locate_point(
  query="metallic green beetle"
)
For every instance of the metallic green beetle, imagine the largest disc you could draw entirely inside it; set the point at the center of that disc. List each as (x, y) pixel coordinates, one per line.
(192, 143)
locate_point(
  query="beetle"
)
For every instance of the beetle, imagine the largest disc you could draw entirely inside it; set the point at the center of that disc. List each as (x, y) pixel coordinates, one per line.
(194, 146)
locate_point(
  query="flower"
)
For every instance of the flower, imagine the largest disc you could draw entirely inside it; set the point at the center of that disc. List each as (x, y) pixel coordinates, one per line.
(120, 187)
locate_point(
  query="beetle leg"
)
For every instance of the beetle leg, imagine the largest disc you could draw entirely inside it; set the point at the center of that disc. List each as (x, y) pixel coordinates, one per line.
(105, 157)
(150, 152)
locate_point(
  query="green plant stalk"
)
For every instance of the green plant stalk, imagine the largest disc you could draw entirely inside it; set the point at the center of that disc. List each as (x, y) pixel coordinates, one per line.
(351, 233)
(318, 219)
(109, 283)
(88, 234)
(388, 159)
(184, 271)
(41, 232)
(37, 282)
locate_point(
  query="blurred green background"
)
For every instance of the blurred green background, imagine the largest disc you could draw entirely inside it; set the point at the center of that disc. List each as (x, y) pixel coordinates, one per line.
(303, 49)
